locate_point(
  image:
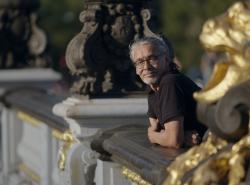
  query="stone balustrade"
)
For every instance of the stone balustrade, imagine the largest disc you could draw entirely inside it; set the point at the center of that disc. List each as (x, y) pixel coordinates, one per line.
(31, 136)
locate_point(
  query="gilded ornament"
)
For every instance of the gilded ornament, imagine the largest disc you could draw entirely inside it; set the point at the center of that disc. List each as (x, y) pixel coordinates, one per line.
(28, 119)
(134, 177)
(192, 158)
(68, 140)
(226, 166)
(30, 173)
(215, 161)
(228, 33)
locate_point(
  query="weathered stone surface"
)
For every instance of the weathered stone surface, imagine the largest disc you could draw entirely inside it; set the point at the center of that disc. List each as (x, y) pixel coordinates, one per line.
(129, 146)
(37, 103)
(229, 118)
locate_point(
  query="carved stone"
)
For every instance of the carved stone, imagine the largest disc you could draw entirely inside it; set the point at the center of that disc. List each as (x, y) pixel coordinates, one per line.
(229, 118)
(99, 53)
(30, 136)
(85, 118)
(129, 146)
(22, 42)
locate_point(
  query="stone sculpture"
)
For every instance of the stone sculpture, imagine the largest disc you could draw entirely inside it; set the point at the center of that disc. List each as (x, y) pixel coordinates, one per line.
(98, 55)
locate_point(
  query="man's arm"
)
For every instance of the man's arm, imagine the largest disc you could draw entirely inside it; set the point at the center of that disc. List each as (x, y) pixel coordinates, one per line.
(153, 123)
(172, 136)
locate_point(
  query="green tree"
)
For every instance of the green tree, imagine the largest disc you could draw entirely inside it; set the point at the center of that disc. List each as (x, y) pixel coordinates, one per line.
(60, 20)
(182, 22)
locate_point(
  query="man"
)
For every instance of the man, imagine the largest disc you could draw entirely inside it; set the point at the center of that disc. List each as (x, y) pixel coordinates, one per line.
(171, 107)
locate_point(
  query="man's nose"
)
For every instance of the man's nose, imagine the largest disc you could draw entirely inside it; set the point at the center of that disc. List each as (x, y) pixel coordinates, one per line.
(146, 64)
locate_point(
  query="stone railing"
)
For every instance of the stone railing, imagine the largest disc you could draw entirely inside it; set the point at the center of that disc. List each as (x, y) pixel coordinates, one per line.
(31, 136)
(224, 153)
(128, 151)
(41, 148)
(86, 118)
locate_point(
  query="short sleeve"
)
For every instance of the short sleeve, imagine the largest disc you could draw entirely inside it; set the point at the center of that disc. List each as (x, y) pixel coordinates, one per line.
(150, 112)
(172, 101)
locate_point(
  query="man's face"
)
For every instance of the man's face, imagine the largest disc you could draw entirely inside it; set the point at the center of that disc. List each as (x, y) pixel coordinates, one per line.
(149, 64)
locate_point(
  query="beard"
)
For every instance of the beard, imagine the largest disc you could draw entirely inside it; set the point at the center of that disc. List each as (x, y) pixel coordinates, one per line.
(150, 80)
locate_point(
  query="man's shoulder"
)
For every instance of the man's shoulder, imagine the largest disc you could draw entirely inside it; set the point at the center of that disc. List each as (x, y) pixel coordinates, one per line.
(171, 78)
(177, 79)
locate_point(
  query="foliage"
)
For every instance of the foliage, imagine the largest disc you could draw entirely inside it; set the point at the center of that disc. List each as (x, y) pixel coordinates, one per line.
(182, 22)
(60, 20)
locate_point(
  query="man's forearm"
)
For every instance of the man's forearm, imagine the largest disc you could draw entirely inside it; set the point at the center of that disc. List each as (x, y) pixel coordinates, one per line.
(163, 139)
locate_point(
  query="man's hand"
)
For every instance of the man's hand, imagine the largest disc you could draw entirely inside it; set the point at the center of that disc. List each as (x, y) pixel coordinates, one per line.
(153, 123)
(151, 133)
(152, 129)
(191, 138)
(173, 135)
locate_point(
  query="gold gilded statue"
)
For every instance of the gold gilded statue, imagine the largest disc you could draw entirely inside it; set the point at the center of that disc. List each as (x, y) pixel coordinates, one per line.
(215, 161)
(228, 33)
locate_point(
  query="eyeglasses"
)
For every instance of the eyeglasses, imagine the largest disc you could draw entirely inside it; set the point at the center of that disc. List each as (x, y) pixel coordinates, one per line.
(151, 59)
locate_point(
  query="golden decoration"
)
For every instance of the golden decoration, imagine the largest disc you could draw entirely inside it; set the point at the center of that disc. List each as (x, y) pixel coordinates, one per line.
(29, 172)
(28, 118)
(58, 134)
(68, 140)
(66, 137)
(214, 161)
(227, 166)
(134, 177)
(211, 171)
(187, 161)
(228, 33)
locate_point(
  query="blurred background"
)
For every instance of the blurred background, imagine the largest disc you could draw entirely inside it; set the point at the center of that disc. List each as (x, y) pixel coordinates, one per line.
(181, 21)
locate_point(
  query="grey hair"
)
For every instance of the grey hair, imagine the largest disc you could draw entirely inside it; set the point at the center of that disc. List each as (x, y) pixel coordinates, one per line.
(158, 43)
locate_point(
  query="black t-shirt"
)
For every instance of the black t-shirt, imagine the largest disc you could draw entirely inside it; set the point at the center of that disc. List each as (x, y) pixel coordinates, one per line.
(175, 99)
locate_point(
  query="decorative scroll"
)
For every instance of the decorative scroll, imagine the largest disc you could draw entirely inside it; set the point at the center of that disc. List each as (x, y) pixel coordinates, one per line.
(228, 119)
(68, 140)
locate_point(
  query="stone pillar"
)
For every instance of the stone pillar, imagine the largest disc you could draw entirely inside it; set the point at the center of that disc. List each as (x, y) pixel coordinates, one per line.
(85, 119)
